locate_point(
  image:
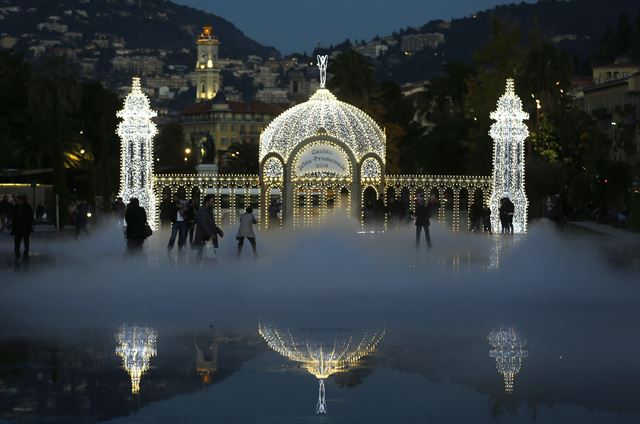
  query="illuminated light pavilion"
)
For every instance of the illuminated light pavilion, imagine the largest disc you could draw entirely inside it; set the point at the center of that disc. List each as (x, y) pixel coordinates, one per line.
(325, 156)
(321, 146)
(321, 358)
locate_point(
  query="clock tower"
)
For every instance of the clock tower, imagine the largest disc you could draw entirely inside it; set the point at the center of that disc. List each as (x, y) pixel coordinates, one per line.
(207, 69)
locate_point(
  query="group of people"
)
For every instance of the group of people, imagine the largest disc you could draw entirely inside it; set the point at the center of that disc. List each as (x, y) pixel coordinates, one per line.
(187, 223)
(17, 217)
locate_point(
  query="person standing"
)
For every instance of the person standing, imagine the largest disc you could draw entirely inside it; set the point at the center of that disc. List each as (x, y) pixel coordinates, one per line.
(190, 216)
(178, 224)
(206, 229)
(22, 226)
(510, 209)
(136, 220)
(40, 212)
(5, 210)
(166, 210)
(476, 215)
(81, 218)
(247, 220)
(423, 212)
(506, 211)
(486, 218)
(119, 209)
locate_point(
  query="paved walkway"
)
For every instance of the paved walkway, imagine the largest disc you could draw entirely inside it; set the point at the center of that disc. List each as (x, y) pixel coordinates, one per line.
(608, 230)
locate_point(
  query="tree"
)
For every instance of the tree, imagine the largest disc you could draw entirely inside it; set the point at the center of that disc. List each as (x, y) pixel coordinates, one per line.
(499, 59)
(54, 100)
(352, 78)
(98, 117)
(242, 158)
(14, 123)
(170, 148)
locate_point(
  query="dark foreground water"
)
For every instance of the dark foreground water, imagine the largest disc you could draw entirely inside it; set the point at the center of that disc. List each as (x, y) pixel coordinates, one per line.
(541, 329)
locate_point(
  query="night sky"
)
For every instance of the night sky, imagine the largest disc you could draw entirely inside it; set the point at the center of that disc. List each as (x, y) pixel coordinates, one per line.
(298, 25)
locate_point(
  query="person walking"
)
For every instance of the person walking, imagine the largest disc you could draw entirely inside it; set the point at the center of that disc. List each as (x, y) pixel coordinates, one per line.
(178, 223)
(423, 213)
(206, 228)
(22, 226)
(245, 230)
(136, 220)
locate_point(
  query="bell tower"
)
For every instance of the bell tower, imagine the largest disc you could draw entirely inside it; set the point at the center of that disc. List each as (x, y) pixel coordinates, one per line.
(207, 69)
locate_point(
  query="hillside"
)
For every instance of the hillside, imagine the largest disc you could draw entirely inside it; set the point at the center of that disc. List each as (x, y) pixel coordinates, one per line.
(576, 26)
(140, 24)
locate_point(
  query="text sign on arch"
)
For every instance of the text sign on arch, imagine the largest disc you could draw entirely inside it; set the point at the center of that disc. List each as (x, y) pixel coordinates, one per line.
(322, 159)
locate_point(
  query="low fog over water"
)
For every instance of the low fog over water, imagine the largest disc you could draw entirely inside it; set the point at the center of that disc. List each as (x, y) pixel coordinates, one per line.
(576, 308)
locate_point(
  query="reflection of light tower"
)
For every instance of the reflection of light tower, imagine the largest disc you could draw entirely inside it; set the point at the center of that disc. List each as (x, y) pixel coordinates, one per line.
(508, 349)
(136, 346)
(206, 361)
(509, 133)
(320, 359)
(136, 162)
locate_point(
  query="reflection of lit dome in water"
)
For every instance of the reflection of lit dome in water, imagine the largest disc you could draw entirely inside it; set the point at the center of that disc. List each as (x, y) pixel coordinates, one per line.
(320, 359)
(341, 120)
(508, 349)
(136, 346)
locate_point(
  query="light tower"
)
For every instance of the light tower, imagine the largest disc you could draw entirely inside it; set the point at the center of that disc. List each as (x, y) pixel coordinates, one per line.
(136, 150)
(207, 70)
(509, 133)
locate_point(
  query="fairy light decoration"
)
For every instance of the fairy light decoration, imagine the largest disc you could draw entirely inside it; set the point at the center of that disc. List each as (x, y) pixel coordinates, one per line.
(508, 350)
(321, 359)
(324, 111)
(509, 133)
(136, 346)
(136, 132)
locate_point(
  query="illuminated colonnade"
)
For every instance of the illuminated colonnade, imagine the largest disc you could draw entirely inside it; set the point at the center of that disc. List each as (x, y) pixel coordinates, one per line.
(325, 155)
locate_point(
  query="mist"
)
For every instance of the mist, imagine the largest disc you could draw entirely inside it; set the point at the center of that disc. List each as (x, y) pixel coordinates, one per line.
(334, 276)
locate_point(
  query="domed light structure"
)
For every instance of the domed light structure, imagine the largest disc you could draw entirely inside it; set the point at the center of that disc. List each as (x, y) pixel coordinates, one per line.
(136, 150)
(508, 350)
(321, 359)
(136, 346)
(323, 111)
(509, 133)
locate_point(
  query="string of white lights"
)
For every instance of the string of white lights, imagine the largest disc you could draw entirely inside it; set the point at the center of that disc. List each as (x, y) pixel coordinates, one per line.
(136, 131)
(508, 350)
(321, 359)
(509, 133)
(136, 346)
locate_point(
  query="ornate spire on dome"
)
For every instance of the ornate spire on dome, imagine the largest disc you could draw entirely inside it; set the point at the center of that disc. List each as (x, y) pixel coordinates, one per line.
(322, 65)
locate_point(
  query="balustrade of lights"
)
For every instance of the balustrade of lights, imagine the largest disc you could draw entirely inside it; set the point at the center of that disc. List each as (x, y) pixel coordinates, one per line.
(306, 186)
